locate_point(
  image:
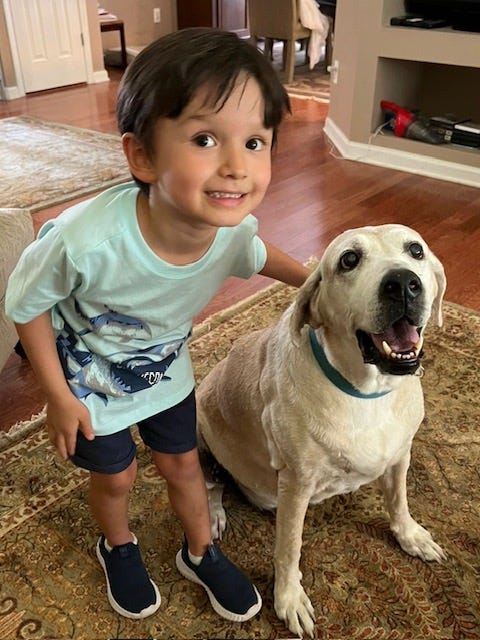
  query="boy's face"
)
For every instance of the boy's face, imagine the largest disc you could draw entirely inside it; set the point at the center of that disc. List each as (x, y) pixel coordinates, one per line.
(213, 167)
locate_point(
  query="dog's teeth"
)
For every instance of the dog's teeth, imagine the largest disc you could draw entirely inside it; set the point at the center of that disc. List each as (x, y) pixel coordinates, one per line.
(418, 346)
(387, 348)
(390, 353)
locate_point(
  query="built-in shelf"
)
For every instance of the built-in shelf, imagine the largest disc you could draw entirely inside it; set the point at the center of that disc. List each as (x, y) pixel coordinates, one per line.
(443, 46)
(447, 152)
(435, 71)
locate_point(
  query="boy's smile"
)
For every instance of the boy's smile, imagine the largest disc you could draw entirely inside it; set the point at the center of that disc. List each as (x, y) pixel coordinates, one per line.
(211, 166)
(223, 197)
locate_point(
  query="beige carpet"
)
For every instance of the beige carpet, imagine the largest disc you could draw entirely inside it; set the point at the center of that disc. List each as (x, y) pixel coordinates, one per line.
(44, 163)
(360, 582)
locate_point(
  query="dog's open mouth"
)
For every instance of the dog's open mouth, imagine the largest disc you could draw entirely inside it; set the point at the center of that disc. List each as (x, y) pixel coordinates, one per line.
(396, 351)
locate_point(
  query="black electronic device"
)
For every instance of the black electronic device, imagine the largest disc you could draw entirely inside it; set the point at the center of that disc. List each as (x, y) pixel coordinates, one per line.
(457, 130)
(418, 22)
(467, 133)
(463, 15)
(444, 125)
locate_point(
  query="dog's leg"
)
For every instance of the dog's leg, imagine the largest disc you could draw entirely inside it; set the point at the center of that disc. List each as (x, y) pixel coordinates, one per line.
(411, 536)
(218, 517)
(291, 602)
(214, 474)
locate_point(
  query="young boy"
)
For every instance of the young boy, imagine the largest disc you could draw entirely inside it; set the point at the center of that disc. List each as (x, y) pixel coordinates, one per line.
(104, 299)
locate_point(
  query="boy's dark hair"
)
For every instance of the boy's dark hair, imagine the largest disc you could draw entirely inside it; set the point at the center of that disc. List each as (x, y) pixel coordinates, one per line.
(164, 77)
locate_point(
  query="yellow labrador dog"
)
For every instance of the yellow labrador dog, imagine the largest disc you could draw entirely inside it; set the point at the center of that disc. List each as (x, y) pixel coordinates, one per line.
(329, 398)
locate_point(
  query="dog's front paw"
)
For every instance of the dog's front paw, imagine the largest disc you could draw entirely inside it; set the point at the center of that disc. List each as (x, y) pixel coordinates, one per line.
(218, 523)
(417, 541)
(293, 606)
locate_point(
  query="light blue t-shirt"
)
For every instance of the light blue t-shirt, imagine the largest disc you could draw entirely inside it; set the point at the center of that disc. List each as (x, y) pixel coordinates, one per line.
(122, 315)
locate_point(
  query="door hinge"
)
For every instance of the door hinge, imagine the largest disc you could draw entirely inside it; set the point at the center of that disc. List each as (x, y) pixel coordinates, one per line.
(82, 40)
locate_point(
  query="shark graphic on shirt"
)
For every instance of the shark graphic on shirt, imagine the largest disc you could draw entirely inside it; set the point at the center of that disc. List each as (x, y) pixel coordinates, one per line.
(88, 372)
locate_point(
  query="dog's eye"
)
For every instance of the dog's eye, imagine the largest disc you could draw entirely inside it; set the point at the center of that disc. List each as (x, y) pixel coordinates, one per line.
(416, 251)
(349, 260)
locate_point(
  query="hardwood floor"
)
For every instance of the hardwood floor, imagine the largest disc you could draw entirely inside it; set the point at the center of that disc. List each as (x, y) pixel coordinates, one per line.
(314, 195)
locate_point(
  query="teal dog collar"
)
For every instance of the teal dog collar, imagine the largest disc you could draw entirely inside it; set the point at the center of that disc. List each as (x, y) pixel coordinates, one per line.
(335, 376)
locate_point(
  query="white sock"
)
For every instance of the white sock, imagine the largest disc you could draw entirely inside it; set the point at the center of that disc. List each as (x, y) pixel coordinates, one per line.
(108, 547)
(196, 560)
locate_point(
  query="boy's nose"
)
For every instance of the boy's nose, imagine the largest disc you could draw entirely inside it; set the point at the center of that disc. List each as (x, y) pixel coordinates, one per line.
(233, 165)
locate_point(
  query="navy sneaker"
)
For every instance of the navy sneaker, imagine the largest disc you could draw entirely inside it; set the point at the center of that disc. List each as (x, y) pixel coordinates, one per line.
(231, 593)
(130, 591)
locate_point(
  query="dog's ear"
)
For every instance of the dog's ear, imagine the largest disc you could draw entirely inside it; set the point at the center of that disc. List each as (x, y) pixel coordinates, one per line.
(441, 280)
(304, 312)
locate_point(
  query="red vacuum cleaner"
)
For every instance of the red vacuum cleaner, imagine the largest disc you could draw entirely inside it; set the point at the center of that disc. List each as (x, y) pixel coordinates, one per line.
(406, 124)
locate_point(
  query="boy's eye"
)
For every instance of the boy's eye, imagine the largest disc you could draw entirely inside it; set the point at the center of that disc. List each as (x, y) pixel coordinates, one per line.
(255, 144)
(204, 140)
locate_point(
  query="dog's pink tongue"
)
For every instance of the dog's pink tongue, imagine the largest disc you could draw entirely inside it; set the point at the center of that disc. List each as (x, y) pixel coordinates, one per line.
(402, 336)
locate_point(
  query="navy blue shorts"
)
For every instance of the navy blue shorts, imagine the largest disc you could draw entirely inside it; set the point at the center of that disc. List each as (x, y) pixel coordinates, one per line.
(171, 431)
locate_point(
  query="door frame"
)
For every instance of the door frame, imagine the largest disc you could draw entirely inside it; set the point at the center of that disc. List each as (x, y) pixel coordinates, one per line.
(18, 91)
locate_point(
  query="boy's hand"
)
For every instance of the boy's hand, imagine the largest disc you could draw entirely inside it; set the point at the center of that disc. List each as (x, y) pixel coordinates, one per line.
(65, 413)
(65, 418)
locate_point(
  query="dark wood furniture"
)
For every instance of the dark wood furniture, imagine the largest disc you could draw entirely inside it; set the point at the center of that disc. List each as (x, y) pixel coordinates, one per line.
(116, 25)
(230, 15)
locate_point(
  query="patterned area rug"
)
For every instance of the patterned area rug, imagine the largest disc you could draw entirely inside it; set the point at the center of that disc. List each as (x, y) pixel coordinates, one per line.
(313, 84)
(44, 163)
(360, 582)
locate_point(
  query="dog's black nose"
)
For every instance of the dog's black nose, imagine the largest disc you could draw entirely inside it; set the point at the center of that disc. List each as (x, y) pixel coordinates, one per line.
(401, 284)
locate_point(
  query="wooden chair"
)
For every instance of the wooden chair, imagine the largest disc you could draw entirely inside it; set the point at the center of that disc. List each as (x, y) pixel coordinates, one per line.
(277, 20)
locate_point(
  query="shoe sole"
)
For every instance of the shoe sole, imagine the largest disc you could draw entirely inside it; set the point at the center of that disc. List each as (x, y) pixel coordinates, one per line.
(228, 615)
(144, 613)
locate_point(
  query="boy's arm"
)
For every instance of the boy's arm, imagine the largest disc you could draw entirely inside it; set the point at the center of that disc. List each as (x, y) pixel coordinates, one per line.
(65, 413)
(282, 267)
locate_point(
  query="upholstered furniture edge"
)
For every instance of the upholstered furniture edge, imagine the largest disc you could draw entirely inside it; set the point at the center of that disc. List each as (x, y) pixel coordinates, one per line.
(16, 232)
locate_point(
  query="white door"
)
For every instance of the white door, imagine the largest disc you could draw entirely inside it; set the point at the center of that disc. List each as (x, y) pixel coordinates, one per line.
(49, 43)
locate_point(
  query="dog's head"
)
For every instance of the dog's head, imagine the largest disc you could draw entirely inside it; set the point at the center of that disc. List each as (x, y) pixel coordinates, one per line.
(379, 285)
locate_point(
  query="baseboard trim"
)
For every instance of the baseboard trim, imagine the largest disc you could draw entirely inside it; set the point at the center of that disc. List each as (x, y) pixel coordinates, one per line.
(99, 76)
(401, 160)
(12, 93)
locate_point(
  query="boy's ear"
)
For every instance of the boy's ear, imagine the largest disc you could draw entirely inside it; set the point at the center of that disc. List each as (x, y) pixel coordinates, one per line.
(138, 161)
